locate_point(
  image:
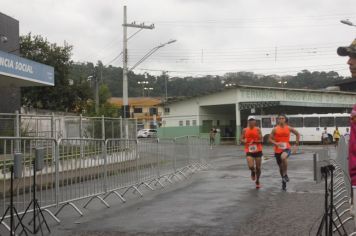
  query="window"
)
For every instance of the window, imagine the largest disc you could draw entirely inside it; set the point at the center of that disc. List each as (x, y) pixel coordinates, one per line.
(266, 123)
(138, 110)
(153, 111)
(311, 121)
(187, 123)
(327, 121)
(166, 110)
(342, 121)
(194, 123)
(180, 123)
(218, 123)
(295, 121)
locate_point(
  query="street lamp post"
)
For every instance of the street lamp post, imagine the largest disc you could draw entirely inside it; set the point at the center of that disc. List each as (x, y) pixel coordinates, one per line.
(143, 86)
(282, 83)
(150, 52)
(148, 91)
(348, 22)
(230, 85)
(95, 79)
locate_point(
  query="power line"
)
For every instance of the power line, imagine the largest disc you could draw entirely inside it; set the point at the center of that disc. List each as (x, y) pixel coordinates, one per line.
(239, 69)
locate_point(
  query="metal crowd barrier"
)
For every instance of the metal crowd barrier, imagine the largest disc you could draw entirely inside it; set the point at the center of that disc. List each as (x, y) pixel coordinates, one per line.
(342, 200)
(342, 192)
(86, 169)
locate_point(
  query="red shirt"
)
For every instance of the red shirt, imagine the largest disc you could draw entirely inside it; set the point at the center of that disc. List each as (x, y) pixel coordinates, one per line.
(253, 135)
(282, 135)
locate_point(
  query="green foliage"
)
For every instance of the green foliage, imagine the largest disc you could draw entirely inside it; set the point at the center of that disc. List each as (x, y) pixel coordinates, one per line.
(62, 96)
(74, 92)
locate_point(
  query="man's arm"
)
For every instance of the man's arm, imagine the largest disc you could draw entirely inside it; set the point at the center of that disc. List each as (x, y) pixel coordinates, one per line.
(260, 136)
(242, 138)
(271, 137)
(296, 133)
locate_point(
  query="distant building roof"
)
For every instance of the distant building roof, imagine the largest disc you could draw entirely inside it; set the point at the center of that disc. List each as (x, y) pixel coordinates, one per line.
(137, 101)
(178, 99)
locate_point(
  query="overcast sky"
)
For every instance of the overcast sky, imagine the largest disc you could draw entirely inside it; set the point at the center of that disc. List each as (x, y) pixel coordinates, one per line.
(213, 36)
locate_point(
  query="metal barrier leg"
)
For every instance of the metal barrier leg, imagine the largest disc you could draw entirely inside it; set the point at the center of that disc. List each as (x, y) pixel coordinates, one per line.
(117, 194)
(157, 182)
(166, 179)
(136, 190)
(6, 226)
(70, 204)
(146, 185)
(100, 199)
(175, 175)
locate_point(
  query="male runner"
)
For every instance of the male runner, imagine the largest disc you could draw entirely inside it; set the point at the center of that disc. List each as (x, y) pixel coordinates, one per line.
(280, 137)
(252, 137)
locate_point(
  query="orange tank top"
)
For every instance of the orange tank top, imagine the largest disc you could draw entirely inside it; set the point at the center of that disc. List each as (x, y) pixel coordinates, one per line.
(252, 135)
(282, 136)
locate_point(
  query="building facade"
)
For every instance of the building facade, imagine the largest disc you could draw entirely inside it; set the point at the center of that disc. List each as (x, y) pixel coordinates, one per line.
(146, 110)
(228, 110)
(10, 97)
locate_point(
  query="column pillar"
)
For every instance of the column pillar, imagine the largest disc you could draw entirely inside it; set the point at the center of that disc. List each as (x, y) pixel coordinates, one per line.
(238, 123)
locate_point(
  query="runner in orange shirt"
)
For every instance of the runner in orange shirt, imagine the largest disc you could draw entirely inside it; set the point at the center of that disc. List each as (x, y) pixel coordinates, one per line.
(280, 137)
(252, 138)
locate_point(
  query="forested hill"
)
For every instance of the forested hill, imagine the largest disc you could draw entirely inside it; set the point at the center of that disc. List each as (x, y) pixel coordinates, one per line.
(189, 86)
(74, 82)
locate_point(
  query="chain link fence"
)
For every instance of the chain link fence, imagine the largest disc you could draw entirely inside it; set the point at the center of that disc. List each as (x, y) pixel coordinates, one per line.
(56, 126)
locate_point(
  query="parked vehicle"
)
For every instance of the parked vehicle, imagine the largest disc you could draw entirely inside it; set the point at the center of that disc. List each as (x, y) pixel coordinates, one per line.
(310, 126)
(147, 133)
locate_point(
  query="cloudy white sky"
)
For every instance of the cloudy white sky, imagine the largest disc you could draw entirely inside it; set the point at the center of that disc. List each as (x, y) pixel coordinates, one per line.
(213, 36)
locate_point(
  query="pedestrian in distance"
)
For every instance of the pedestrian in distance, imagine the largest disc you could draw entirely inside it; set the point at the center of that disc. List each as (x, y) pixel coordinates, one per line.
(252, 138)
(336, 136)
(347, 134)
(325, 136)
(280, 138)
(212, 135)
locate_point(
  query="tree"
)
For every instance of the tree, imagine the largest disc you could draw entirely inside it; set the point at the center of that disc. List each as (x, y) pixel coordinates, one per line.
(64, 96)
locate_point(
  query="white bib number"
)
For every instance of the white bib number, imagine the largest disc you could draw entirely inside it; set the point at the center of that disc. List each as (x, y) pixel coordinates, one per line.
(252, 148)
(282, 146)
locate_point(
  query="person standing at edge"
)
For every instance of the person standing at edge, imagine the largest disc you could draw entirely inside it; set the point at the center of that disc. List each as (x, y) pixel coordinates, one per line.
(280, 137)
(252, 137)
(350, 51)
(336, 136)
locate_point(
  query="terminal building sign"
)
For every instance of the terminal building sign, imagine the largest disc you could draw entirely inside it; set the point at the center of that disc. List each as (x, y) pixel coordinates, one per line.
(30, 72)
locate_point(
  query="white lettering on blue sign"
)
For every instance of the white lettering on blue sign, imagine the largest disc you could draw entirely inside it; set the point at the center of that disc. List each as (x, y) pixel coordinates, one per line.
(24, 67)
(8, 63)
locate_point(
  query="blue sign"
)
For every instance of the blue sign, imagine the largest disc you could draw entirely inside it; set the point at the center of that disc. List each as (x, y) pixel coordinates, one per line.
(21, 68)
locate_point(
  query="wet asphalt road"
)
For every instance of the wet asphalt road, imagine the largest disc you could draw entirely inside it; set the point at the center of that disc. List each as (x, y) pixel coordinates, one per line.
(219, 201)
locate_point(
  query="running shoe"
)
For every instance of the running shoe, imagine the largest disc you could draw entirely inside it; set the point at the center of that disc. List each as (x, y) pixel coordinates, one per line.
(286, 178)
(258, 185)
(284, 185)
(253, 175)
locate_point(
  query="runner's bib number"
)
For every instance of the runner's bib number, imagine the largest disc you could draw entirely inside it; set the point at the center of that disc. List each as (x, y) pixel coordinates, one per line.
(282, 145)
(252, 148)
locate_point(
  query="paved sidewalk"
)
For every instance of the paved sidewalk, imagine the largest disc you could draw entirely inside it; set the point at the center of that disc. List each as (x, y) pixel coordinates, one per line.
(219, 201)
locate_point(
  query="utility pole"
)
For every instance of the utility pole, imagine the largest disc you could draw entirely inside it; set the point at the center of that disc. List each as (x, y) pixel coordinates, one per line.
(126, 108)
(166, 84)
(96, 94)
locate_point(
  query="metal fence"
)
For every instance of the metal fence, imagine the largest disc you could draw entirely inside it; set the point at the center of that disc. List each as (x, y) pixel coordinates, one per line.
(341, 192)
(87, 169)
(55, 126)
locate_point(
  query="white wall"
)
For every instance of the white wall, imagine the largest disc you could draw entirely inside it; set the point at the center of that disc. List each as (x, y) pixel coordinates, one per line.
(189, 109)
